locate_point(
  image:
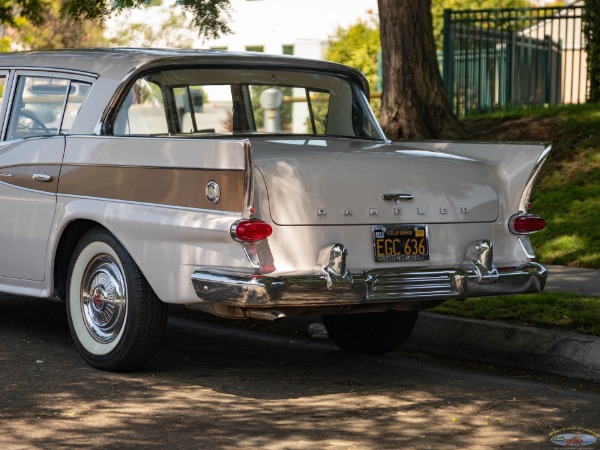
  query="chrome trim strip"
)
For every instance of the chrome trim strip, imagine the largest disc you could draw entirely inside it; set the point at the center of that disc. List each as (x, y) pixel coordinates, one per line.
(53, 70)
(21, 188)
(368, 287)
(235, 214)
(6, 99)
(247, 212)
(526, 246)
(532, 178)
(131, 166)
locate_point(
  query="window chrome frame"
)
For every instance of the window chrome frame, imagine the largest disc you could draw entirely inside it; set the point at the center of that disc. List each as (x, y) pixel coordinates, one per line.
(11, 88)
(357, 81)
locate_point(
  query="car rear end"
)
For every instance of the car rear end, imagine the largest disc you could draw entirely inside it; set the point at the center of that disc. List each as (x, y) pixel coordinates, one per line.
(363, 226)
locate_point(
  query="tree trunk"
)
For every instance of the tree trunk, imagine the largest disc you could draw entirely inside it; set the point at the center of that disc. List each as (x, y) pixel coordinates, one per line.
(414, 104)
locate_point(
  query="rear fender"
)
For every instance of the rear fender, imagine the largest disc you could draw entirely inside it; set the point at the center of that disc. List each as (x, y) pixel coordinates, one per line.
(517, 166)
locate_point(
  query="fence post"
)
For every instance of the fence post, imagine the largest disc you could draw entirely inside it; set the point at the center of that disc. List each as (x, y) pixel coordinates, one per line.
(548, 70)
(447, 67)
(511, 58)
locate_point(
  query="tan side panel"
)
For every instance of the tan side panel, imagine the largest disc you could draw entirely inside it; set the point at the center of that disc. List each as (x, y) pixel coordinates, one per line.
(162, 186)
(22, 176)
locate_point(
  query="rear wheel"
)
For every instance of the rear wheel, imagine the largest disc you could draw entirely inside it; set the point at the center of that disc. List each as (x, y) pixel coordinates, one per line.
(371, 333)
(115, 318)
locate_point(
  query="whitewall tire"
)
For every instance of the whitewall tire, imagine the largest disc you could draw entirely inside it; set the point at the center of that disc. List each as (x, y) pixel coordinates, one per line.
(115, 318)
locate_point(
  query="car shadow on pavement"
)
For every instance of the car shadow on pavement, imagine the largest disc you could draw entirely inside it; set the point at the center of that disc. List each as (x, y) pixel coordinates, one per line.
(218, 386)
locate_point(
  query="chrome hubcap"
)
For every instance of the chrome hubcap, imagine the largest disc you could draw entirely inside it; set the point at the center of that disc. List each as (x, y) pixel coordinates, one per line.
(103, 298)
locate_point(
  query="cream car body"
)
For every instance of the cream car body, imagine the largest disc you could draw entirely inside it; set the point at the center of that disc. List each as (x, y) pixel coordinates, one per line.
(123, 156)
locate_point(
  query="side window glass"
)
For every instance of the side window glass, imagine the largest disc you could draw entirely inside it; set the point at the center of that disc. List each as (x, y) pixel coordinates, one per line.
(77, 94)
(37, 108)
(143, 111)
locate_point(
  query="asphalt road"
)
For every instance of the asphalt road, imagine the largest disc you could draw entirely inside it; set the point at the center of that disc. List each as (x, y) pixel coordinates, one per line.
(214, 385)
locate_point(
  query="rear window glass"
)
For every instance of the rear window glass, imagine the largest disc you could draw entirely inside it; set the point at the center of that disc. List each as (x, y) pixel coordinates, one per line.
(209, 102)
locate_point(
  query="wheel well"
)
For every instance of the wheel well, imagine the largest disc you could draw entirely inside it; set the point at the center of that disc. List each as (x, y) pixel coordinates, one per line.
(66, 246)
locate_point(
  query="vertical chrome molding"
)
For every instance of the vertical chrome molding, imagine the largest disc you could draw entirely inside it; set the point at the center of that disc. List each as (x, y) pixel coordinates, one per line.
(531, 181)
(7, 101)
(64, 107)
(247, 212)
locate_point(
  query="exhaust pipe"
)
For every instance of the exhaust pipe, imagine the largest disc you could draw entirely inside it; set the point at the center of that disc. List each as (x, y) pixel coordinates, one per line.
(235, 312)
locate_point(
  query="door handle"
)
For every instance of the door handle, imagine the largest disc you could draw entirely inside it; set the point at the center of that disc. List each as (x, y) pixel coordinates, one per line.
(41, 177)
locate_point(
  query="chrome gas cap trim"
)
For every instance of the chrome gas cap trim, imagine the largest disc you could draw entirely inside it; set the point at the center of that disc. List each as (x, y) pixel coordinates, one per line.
(213, 192)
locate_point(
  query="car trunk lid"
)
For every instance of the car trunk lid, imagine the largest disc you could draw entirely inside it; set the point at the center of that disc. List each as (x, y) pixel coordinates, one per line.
(349, 182)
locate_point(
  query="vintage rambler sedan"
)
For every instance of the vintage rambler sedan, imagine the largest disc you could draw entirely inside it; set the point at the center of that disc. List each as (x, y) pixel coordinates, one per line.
(242, 185)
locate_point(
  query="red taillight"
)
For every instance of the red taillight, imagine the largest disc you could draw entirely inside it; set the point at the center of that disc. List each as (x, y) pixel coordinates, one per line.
(526, 224)
(250, 230)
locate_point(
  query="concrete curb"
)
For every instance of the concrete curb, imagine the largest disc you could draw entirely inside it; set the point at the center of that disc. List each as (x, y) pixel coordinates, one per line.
(568, 355)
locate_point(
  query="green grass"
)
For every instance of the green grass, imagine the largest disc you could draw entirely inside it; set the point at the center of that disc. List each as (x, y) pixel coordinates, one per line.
(567, 194)
(550, 310)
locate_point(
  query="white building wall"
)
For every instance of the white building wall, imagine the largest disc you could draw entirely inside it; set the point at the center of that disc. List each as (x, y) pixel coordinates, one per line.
(270, 24)
(307, 25)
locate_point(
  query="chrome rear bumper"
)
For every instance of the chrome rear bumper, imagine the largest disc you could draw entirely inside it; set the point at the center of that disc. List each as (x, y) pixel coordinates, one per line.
(368, 287)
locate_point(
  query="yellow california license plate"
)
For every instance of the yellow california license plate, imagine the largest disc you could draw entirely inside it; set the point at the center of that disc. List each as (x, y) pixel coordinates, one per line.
(400, 242)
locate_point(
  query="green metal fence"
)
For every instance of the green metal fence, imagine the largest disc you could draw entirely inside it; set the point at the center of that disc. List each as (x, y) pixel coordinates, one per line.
(502, 59)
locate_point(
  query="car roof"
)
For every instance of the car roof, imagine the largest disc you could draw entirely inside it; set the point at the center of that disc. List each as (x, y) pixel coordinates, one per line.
(117, 63)
(115, 67)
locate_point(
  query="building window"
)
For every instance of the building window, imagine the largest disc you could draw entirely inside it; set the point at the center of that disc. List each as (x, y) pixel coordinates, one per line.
(255, 48)
(287, 49)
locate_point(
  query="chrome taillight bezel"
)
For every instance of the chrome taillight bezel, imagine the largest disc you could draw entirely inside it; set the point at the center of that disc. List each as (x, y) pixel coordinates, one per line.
(514, 220)
(235, 228)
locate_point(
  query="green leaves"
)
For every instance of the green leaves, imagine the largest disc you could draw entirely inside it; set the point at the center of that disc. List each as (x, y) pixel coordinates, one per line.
(13, 10)
(357, 46)
(95, 10)
(210, 17)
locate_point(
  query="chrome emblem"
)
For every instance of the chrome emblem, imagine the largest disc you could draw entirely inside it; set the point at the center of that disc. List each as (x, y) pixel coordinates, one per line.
(397, 197)
(373, 211)
(321, 212)
(347, 212)
(398, 211)
(213, 192)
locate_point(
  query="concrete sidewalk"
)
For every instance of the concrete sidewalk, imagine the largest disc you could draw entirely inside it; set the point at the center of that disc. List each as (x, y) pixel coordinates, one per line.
(558, 353)
(572, 280)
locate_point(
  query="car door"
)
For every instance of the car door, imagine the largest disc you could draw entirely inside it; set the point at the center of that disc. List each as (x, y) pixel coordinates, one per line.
(31, 152)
